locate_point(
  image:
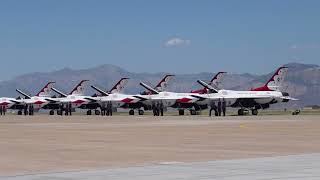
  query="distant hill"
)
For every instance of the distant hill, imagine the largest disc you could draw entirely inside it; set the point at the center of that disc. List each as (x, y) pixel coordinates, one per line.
(302, 81)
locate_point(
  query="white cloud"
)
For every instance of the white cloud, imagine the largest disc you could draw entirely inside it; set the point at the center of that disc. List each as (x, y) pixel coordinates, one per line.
(294, 46)
(176, 41)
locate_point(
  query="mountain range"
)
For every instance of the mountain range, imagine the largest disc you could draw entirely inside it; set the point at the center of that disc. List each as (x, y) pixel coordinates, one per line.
(302, 81)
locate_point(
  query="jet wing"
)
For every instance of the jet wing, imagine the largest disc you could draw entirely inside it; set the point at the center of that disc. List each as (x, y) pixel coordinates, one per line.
(15, 101)
(201, 98)
(140, 97)
(217, 96)
(52, 100)
(289, 98)
(90, 99)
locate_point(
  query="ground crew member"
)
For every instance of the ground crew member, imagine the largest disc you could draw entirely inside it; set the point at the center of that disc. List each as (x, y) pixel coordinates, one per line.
(25, 110)
(158, 108)
(110, 108)
(224, 106)
(4, 110)
(1, 111)
(154, 109)
(70, 109)
(212, 107)
(30, 110)
(107, 109)
(61, 109)
(103, 109)
(219, 107)
(161, 108)
(66, 109)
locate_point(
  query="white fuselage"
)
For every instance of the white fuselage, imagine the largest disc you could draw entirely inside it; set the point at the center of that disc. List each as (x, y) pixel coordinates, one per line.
(231, 97)
(75, 100)
(8, 102)
(116, 99)
(38, 102)
(169, 98)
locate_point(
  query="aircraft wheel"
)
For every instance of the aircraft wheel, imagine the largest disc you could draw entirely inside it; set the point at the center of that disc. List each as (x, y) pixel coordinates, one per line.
(51, 112)
(181, 112)
(131, 112)
(19, 112)
(97, 112)
(141, 112)
(193, 112)
(241, 112)
(254, 112)
(89, 112)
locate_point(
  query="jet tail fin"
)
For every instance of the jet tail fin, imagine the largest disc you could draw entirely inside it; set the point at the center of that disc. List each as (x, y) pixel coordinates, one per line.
(104, 93)
(119, 86)
(208, 86)
(46, 90)
(23, 93)
(79, 89)
(153, 91)
(214, 82)
(163, 83)
(275, 82)
(217, 79)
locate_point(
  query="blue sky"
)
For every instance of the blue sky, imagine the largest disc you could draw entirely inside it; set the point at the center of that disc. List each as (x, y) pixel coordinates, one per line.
(177, 36)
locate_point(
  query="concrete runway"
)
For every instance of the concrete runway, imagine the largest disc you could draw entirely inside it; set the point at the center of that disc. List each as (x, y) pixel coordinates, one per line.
(124, 147)
(268, 168)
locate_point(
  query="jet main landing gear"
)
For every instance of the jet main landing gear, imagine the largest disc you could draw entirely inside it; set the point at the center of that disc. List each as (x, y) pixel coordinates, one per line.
(51, 112)
(242, 112)
(89, 112)
(181, 112)
(131, 112)
(140, 112)
(254, 112)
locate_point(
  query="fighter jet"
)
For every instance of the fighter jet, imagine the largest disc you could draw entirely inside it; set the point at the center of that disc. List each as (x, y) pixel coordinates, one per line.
(38, 101)
(258, 98)
(164, 99)
(76, 98)
(114, 97)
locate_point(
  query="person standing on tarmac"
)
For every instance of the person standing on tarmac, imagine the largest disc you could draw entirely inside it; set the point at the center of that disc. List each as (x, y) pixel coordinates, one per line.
(70, 109)
(25, 110)
(30, 110)
(158, 108)
(161, 108)
(224, 106)
(219, 107)
(212, 107)
(66, 109)
(154, 109)
(61, 109)
(110, 108)
(4, 110)
(0, 110)
(103, 109)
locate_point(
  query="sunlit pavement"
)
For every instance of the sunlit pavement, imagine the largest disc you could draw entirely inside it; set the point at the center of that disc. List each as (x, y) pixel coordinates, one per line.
(282, 167)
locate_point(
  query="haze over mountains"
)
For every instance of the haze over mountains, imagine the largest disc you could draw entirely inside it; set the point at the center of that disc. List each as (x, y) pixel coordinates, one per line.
(302, 81)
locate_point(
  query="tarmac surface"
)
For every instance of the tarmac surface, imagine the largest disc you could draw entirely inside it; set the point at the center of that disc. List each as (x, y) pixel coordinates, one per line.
(297, 167)
(140, 147)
